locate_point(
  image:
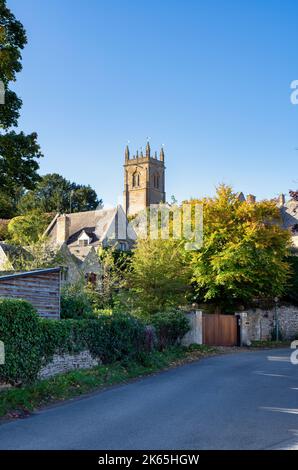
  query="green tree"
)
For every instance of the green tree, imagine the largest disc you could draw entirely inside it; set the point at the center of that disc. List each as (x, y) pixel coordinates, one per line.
(244, 251)
(19, 153)
(159, 277)
(28, 229)
(53, 193)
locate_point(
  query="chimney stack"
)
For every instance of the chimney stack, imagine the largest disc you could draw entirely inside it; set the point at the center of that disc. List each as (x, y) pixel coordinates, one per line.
(281, 200)
(62, 229)
(251, 199)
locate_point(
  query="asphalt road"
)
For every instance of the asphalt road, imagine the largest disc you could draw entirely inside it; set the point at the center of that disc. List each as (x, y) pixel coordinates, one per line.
(237, 401)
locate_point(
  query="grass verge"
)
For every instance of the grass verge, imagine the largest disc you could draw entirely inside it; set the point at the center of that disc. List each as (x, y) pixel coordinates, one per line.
(19, 402)
(269, 344)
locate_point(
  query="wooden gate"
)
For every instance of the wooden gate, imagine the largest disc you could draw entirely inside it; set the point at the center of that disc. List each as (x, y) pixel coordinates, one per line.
(220, 330)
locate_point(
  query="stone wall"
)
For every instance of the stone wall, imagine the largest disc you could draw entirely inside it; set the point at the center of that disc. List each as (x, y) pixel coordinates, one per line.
(195, 334)
(259, 324)
(67, 362)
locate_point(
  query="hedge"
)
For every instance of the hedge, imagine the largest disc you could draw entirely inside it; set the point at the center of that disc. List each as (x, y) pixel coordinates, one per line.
(170, 327)
(21, 333)
(30, 341)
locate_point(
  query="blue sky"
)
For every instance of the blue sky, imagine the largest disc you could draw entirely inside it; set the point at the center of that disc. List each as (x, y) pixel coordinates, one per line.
(209, 79)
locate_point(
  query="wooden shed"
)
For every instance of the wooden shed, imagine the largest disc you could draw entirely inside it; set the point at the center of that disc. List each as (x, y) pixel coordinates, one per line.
(41, 287)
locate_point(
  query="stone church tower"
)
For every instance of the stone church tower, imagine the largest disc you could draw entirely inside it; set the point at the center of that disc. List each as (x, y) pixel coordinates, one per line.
(144, 180)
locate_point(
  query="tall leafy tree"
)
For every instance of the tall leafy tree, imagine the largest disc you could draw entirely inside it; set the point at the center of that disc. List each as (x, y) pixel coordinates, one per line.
(19, 153)
(244, 251)
(28, 229)
(159, 276)
(53, 193)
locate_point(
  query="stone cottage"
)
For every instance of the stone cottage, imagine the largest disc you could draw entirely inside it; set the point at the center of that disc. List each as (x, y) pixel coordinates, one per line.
(78, 236)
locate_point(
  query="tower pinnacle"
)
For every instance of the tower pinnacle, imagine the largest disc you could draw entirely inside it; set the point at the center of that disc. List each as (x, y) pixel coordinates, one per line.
(126, 153)
(148, 149)
(162, 155)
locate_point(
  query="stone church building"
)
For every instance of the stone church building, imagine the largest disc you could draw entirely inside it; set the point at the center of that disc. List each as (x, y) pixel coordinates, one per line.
(144, 180)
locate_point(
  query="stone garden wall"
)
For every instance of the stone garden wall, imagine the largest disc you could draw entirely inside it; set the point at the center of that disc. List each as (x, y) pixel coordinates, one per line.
(67, 362)
(260, 324)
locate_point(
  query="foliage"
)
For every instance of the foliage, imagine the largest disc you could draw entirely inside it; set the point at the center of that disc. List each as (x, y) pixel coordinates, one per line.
(75, 302)
(243, 255)
(21, 334)
(170, 327)
(29, 228)
(7, 206)
(31, 341)
(3, 228)
(110, 338)
(291, 293)
(269, 344)
(53, 193)
(115, 264)
(18, 152)
(159, 275)
(39, 255)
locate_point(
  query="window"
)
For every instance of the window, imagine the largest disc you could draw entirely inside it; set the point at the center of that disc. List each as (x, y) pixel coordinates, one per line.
(91, 278)
(136, 179)
(83, 242)
(157, 181)
(122, 246)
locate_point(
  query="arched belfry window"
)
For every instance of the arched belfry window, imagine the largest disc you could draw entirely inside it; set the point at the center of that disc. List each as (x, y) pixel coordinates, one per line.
(136, 179)
(156, 180)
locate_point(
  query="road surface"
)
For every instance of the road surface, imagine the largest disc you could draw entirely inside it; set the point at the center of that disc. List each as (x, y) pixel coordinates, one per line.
(247, 400)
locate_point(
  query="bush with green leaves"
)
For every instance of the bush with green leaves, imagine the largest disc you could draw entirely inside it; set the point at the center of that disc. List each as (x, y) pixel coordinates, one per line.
(21, 334)
(75, 302)
(31, 342)
(170, 327)
(109, 337)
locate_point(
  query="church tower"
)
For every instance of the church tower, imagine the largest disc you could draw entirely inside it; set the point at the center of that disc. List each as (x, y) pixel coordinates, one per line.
(144, 180)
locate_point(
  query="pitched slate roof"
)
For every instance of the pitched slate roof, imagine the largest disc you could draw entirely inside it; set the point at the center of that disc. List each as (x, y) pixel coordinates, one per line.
(289, 213)
(95, 223)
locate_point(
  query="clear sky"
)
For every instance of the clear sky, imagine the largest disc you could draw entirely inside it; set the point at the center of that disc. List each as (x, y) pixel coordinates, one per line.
(209, 79)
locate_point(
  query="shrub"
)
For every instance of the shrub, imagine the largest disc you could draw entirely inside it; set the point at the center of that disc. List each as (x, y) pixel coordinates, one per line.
(3, 229)
(110, 338)
(31, 341)
(75, 302)
(170, 326)
(21, 334)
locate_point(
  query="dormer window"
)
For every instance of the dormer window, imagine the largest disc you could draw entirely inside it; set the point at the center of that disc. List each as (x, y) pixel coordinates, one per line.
(84, 239)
